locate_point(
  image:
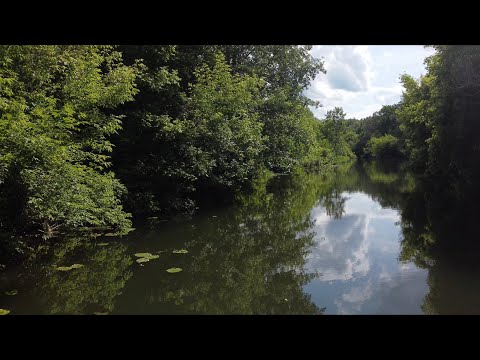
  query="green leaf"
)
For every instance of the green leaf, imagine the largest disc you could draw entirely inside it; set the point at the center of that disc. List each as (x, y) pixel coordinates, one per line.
(4, 312)
(68, 268)
(11, 292)
(141, 255)
(102, 244)
(142, 260)
(147, 256)
(63, 268)
(183, 251)
(100, 313)
(174, 270)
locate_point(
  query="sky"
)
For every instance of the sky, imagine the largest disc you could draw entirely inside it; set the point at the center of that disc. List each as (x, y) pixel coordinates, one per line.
(363, 78)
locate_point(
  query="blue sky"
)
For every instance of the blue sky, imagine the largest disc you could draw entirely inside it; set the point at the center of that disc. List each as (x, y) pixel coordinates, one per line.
(363, 78)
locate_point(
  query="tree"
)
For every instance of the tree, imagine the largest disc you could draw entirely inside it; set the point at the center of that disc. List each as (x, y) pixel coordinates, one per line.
(166, 152)
(415, 115)
(336, 132)
(56, 117)
(386, 146)
(380, 123)
(288, 68)
(223, 128)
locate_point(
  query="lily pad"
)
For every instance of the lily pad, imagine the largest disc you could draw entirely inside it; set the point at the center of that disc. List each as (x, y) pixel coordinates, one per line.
(142, 255)
(63, 268)
(174, 270)
(68, 268)
(183, 251)
(142, 260)
(100, 313)
(11, 292)
(147, 256)
(4, 312)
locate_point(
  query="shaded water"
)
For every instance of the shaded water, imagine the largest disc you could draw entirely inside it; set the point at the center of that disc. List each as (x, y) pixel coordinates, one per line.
(360, 240)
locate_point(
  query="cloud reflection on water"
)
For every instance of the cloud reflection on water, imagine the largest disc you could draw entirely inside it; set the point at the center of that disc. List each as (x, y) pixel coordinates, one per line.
(357, 256)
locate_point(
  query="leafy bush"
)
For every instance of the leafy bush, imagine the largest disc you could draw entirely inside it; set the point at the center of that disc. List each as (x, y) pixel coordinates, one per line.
(382, 147)
(55, 104)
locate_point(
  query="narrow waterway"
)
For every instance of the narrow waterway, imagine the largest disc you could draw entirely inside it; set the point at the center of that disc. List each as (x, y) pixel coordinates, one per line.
(338, 243)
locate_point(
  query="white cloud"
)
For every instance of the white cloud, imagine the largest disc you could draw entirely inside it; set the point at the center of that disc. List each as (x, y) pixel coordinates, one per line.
(362, 79)
(359, 294)
(348, 67)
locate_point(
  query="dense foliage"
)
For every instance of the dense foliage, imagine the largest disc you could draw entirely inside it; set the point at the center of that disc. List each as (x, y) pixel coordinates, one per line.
(213, 117)
(435, 125)
(380, 131)
(439, 115)
(338, 133)
(386, 146)
(178, 122)
(55, 124)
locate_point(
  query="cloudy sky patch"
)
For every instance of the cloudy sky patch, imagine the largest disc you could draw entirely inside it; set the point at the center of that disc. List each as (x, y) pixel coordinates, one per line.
(361, 78)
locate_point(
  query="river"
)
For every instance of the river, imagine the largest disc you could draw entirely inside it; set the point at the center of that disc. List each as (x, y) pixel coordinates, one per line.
(358, 240)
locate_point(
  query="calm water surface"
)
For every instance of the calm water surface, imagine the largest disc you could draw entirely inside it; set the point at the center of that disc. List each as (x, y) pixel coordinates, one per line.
(358, 257)
(350, 242)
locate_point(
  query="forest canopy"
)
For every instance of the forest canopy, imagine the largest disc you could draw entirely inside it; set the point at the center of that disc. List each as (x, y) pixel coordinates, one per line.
(91, 134)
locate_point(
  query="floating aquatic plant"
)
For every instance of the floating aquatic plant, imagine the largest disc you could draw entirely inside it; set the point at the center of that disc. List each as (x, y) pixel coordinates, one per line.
(141, 255)
(183, 251)
(144, 257)
(68, 268)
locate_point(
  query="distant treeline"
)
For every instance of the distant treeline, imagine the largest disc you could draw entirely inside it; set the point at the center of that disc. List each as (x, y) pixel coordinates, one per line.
(91, 134)
(436, 125)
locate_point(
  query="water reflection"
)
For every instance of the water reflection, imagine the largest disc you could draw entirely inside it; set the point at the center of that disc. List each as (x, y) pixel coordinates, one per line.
(357, 256)
(248, 260)
(364, 239)
(440, 226)
(93, 288)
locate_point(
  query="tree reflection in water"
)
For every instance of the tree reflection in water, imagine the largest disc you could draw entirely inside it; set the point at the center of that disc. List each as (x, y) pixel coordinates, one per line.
(251, 258)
